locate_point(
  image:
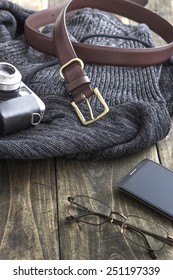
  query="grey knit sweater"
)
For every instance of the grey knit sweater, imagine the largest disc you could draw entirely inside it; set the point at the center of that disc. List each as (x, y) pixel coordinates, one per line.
(140, 99)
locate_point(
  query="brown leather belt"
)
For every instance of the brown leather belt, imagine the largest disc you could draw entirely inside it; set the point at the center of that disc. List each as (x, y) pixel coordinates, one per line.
(71, 55)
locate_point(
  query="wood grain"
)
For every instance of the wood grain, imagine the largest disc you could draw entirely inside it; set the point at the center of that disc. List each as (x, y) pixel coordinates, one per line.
(34, 206)
(100, 180)
(28, 210)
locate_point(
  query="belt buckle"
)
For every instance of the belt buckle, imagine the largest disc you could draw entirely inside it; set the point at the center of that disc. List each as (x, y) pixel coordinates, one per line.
(93, 119)
(96, 92)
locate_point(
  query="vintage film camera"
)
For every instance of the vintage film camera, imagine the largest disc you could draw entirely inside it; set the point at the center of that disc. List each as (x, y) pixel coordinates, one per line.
(20, 107)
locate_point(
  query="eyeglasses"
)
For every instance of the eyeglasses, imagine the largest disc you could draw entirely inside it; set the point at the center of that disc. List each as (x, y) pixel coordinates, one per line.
(140, 231)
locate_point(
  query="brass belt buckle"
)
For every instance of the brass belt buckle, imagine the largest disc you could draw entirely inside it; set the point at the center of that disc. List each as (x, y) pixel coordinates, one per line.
(96, 92)
(93, 119)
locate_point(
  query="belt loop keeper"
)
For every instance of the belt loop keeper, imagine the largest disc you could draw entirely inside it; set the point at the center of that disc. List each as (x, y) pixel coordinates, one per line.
(76, 83)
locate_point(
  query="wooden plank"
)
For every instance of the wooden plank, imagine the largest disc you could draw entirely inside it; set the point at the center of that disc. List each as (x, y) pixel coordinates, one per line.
(31, 207)
(34, 5)
(28, 210)
(55, 2)
(164, 9)
(165, 150)
(100, 180)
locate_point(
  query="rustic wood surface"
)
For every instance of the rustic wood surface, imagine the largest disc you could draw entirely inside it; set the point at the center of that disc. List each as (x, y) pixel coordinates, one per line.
(33, 201)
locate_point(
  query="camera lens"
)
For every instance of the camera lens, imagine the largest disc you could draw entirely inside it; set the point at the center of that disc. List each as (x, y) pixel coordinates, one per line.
(6, 69)
(10, 78)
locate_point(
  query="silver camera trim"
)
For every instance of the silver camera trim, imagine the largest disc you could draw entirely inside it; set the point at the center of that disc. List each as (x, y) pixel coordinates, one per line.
(10, 77)
(19, 111)
(24, 90)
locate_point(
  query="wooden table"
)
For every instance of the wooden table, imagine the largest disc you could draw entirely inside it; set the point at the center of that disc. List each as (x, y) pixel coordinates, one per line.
(33, 202)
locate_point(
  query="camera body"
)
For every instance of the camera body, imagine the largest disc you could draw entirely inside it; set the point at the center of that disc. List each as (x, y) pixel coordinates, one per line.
(20, 107)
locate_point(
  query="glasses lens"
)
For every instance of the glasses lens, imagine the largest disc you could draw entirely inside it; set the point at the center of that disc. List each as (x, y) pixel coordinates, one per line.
(89, 210)
(144, 233)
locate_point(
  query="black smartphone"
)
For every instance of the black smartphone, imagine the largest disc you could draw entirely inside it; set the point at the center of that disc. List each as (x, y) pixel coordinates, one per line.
(152, 184)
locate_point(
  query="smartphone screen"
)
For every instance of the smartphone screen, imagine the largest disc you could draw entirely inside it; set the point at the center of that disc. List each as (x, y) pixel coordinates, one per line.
(152, 184)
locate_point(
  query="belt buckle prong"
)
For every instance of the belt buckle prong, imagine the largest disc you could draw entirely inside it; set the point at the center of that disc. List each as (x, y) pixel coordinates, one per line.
(93, 119)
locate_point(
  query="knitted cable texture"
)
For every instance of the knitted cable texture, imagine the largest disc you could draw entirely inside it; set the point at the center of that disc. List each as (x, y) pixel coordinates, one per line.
(140, 99)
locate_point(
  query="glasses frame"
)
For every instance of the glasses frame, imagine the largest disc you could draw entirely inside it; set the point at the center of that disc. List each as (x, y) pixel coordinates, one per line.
(108, 218)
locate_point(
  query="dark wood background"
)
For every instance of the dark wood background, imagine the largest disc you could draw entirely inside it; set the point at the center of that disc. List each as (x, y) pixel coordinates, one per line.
(33, 201)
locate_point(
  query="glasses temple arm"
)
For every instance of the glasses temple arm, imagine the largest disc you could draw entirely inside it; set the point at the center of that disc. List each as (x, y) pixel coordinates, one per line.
(71, 200)
(170, 239)
(77, 218)
(150, 250)
(108, 219)
(70, 218)
(167, 240)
